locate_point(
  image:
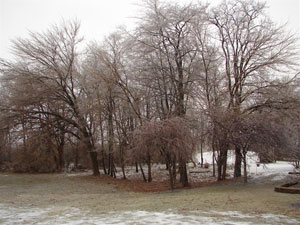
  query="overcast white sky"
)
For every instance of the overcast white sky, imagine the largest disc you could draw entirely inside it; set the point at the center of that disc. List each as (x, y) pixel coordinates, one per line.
(98, 17)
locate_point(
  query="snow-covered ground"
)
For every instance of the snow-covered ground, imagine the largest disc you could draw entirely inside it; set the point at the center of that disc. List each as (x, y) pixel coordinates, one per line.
(268, 172)
(74, 216)
(264, 172)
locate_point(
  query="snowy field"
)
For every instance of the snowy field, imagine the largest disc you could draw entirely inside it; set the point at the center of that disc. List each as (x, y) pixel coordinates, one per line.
(74, 216)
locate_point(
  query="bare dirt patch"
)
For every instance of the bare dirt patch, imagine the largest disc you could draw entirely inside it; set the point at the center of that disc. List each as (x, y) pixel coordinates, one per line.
(156, 186)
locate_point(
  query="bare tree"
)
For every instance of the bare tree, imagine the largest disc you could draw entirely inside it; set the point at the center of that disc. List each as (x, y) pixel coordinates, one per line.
(172, 138)
(50, 61)
(253, 49)
(166, 53)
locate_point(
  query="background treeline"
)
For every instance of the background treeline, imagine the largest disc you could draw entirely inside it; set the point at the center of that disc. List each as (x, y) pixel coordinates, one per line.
(188, 78)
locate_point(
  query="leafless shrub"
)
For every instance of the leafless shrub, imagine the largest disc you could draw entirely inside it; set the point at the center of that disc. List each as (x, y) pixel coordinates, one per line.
(36, 156)
(170, 138)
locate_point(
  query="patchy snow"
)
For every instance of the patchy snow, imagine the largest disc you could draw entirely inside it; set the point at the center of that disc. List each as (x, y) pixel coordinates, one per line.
(75, 216)
(267, 172)
(263, 171)
(78, 174)
(12, 215)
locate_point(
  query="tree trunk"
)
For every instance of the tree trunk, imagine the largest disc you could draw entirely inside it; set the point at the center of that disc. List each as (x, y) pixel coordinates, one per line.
(149, 167)
(222, 164)
(77, 156)
(123, 171)
(114, 170)
(172, 182)
(219, 164)
(144, 177)
(122, 161)
(94, 160)
(87, 140)
(174, 169)
(102, 146)
(110, 127)
(213, 163)
(103, 161)
(238, 162)
(60, 148)
(61, 159)
(111, 165)
(171, 171)
(214, 155)
(180, 111)
(201, 153)
(183, 172)
(224, 159)
(245, 168)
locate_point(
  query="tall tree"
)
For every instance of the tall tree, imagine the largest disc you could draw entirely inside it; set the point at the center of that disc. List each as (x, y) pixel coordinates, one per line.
(50, 61)
(167, 53)
(253, 50)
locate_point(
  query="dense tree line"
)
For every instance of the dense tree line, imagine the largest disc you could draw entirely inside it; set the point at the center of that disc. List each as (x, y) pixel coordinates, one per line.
(187, 78)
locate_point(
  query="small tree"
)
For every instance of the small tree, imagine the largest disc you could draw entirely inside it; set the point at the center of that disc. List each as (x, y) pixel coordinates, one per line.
(172, 138)
(257, 132)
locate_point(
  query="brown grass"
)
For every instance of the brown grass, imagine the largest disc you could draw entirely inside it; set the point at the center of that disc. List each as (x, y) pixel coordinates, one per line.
(104, 194)
(139, 186)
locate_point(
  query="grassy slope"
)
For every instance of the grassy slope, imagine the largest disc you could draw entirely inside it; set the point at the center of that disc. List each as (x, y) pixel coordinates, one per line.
(98, 195)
